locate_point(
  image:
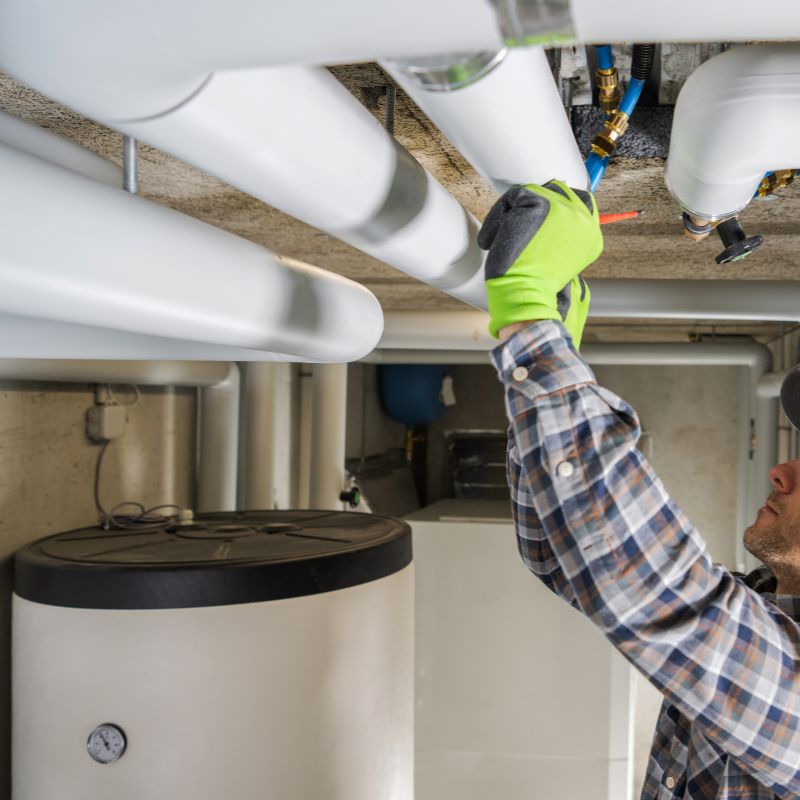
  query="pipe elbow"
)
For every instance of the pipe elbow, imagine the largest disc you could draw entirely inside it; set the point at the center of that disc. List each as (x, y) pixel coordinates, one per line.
(734, 121)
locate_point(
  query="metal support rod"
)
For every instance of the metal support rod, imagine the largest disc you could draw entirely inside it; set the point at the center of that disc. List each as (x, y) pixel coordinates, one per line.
(130, 165)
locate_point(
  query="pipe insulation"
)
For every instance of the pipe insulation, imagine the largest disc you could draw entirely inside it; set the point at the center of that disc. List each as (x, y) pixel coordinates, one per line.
(76, 251)
(44, 144)
(292, 137)
(510, 124)
(682, 21)
(720, 149)
(39, 37)
(328, 429)
(296, 139)
(611, 298)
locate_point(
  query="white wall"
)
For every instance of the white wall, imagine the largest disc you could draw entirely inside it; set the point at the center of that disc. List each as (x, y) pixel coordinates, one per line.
(47, 471)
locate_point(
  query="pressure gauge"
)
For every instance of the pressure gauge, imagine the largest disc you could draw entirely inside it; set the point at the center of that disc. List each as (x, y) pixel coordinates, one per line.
(106, 743)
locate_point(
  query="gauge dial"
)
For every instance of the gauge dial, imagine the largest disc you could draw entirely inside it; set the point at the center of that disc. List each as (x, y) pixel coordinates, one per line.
(106, 743)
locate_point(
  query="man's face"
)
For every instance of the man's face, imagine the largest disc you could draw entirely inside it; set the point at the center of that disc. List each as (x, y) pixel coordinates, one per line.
(775, 535)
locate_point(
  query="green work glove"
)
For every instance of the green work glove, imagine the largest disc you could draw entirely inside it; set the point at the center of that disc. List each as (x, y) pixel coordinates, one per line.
(540, 238)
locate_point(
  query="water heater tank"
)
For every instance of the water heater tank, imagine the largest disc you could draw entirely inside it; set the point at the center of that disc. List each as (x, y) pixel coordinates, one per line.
(247, 655)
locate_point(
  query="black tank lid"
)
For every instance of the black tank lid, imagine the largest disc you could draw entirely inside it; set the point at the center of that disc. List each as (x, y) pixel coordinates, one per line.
(219, 559)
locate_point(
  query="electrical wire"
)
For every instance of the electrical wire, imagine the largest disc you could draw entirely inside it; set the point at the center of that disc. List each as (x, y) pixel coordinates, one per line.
(113, 399)
(147, 519)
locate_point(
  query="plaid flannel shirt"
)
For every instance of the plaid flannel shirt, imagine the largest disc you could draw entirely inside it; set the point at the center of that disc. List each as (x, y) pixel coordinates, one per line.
(595, 524)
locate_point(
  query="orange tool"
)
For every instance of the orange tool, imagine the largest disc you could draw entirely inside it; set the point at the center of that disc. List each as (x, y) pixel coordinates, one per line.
(607, 219)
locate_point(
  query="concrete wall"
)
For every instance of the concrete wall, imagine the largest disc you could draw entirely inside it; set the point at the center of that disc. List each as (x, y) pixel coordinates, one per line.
(370, 430)
(47, 471)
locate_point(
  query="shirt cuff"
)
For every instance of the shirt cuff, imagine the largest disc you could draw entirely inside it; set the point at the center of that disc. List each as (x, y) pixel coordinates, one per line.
(540, 360)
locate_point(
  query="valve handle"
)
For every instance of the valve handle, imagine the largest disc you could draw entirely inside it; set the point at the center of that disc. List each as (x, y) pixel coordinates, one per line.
(737, 244)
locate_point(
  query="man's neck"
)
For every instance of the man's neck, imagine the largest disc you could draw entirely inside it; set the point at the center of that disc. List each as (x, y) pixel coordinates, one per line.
(788, 582)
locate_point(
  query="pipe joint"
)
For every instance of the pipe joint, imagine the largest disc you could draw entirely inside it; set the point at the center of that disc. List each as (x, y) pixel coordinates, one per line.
(609, 96)
(696, 228)
(531, 22)
(613, 130)
(448, 73)
(776, 181)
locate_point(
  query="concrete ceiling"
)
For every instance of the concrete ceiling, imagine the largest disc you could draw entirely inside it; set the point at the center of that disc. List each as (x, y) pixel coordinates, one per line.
(650, 247)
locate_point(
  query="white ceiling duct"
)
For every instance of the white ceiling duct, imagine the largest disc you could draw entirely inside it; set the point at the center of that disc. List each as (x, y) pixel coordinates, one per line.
(736, 119)
(77, 251)
(506, 117)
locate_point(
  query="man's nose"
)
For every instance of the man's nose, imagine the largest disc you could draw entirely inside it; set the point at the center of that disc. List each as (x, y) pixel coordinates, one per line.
(783, 477)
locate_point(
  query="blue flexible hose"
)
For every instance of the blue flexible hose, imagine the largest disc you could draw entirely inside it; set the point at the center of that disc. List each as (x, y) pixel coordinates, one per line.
(596, 167)
(605, 56)
(631, 97)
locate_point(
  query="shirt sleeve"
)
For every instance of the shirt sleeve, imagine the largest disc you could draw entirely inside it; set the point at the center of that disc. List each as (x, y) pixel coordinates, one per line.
(532, 542)
(724, 656)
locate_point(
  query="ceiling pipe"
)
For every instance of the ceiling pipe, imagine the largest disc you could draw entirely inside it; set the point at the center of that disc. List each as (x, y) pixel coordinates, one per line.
(296, 139)
(77, 251)
(218, 422)
(31, 338)
(246, 33)
(720, 150)
(44, 144)
(503, 112)
(611, 298)
(681, 20)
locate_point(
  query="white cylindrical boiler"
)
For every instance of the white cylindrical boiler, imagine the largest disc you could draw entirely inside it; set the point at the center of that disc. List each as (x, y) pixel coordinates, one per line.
(247, 655)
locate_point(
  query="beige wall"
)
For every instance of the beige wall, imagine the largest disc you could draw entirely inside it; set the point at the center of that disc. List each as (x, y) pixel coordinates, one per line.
(692, 416)
(47, 471)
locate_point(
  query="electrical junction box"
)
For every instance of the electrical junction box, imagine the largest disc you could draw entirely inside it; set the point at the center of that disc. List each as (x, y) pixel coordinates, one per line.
(105, 422)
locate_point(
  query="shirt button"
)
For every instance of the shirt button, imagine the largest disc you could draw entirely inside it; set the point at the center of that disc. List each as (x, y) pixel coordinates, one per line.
(670, 782)
(565, 470)
(520, 374)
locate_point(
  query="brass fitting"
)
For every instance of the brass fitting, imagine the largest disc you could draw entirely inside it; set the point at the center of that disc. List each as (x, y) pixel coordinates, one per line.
(696, 228)
(609, 95)
(778, 180)
(614, 128)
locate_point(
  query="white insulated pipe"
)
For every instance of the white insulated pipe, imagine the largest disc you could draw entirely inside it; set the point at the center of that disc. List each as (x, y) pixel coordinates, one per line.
(218, 383)
(267, 409)
(218, 444)
(736, 118)
(684, 21)
(611, 298)
(509, 124)
(329, 416)
(296, 139)
(247, 33)
(44, 144)
(76, 251)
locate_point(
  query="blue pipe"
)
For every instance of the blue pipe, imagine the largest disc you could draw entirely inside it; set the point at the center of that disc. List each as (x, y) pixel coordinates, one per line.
(632, 95)
(596, 167)
(605, 56)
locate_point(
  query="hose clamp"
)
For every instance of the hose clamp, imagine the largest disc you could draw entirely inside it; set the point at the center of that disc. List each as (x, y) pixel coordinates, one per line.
(532, 22)
(449, 72)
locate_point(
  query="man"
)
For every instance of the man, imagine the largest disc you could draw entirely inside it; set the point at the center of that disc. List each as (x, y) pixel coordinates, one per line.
(597, 527)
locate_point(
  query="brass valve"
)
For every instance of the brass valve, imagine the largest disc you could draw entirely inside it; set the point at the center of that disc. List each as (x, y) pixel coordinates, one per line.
(609, 95)
(778, 180)
(613, 130)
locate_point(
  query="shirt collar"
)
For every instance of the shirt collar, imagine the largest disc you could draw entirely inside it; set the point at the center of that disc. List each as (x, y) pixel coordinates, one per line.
(763, 581)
